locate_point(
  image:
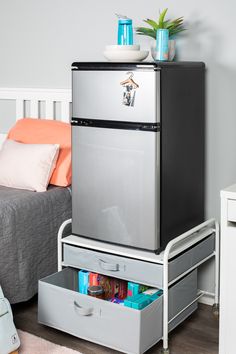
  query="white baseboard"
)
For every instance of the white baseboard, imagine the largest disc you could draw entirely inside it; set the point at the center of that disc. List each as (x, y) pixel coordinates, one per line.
(207, 299)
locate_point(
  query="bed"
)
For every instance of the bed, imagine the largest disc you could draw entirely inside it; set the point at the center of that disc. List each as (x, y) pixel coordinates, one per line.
(29, 221)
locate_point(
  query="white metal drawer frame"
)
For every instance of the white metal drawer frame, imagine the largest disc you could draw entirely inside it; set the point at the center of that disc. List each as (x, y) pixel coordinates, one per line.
(174, 248)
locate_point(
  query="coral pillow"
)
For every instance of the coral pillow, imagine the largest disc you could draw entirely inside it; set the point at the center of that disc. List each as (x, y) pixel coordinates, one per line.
(27, 166)
(45, 131)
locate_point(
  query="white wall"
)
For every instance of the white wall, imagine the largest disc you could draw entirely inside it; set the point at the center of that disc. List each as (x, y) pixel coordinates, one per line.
(40, 39)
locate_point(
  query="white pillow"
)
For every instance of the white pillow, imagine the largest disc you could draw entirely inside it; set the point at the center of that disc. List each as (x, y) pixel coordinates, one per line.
(27, 166)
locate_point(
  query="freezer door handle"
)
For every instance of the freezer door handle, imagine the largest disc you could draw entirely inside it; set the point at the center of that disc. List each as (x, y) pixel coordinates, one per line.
(109, 124)
(81, 122)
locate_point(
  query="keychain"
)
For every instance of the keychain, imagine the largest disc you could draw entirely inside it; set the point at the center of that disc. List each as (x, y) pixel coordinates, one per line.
(129, 90)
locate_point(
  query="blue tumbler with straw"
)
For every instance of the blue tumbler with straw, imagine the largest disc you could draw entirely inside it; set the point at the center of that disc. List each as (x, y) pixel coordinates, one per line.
(125, 31)
(162, 44)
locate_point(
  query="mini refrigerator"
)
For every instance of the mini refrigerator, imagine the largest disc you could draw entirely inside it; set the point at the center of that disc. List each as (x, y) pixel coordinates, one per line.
(137, 151)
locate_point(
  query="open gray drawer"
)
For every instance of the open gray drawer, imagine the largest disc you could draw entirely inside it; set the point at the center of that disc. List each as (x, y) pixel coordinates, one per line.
(132, 269)
(122, 328)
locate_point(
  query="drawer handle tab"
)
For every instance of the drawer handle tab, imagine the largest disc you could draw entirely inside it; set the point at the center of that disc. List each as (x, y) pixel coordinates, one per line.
(114, 267)
(83, 311)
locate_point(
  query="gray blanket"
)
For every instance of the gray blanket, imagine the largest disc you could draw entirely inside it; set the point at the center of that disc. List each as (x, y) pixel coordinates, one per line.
(29, 223)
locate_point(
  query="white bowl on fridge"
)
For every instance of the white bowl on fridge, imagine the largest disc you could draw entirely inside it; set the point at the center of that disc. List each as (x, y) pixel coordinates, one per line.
(125, 55)
(122, 47)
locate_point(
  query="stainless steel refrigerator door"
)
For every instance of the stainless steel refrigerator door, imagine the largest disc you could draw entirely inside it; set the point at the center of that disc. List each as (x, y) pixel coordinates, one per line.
(115, 186)
(99, 95)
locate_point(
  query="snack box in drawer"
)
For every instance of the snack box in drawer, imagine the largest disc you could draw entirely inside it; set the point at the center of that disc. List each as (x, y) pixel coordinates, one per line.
(103, 322)
(135, 270)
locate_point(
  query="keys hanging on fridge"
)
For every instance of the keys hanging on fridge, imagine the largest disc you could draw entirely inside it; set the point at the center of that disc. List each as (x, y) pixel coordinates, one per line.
(129, 90)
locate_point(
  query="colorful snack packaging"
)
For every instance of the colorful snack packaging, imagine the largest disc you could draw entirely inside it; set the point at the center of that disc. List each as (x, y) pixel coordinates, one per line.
(83, 281)
(113, 287)
(153, 293)
(143, 288)
(140, 303)
(117, 301)
(106, 283)
(93, 279)
(122, 289)
(141, 300)
(134, 288)
(137, 302)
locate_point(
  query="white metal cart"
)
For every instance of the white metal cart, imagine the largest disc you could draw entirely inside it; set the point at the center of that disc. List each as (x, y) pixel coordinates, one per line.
(179, 260)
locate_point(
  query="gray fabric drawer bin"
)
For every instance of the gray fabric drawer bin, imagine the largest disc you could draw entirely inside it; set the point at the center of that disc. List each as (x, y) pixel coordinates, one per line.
(122, 328)
(135, 270)
(191, 257)
(115, 266)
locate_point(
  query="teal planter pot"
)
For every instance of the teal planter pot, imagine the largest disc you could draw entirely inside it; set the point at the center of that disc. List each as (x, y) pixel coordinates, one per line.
(162, 44)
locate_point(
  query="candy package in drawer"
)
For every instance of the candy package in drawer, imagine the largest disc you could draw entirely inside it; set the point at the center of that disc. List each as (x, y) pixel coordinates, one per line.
(113, 287)
(141, 300)
(137, 302)
(135, 288)
(93, 279)
(114, 300)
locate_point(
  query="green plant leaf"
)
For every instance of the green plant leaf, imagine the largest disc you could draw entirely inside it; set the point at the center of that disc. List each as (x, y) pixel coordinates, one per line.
(179, 19)
(146, 32)
(162, 17)
(167, 24)
(174, 26)
(174, 33)
(151, 23)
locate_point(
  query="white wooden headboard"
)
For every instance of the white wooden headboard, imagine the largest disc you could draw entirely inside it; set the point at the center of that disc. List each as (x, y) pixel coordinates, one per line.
(35, 98)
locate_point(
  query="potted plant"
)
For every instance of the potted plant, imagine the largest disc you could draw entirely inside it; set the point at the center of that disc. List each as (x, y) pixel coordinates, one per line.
(173, 26)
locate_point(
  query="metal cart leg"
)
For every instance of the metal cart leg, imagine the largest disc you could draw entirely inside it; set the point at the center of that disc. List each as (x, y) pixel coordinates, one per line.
(215, 310)
(168, 248)
(165, 349)
(59, 245)
(215, 307)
